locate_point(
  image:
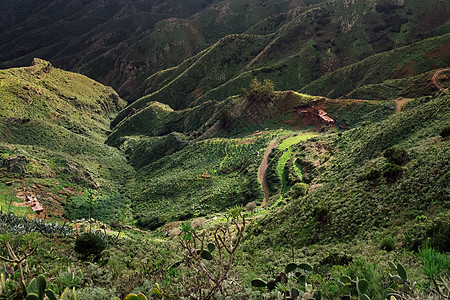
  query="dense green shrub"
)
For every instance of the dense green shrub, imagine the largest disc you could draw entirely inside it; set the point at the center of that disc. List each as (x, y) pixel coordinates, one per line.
(392, 172)
(322, 215)
(150, 222)
(397, 156)
(432, 234)
(259, 92)
(372, 175)
(388, 243)
(445, 133)
(335, 258)
(89, 244)
(299, 189)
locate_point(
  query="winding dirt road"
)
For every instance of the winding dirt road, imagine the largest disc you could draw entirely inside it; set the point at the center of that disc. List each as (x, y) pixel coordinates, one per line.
(262, 171)
(265, 164)
(435, 78)
(400, 102)
(434, 81)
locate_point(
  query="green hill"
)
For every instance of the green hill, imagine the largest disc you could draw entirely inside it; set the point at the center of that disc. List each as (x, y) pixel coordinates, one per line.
(294, 149)
(358, 187)
(58, 121)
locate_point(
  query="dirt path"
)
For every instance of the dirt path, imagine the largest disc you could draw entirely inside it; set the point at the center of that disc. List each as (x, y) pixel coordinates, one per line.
(435, 78)
(400, 102)
(264, 165)
(262, 171)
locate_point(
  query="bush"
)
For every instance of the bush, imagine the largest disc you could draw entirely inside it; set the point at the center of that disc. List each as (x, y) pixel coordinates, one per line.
(199, 222)
(114, 223)
(388, 243)
(392, 172)
(299, 189)
(251, 206)
(334, 258)
(445, 133)
(150, 222)
(373, 175)
(259, 92)
(432, 234)
(322, 215)
(397, 156)
(89, 244)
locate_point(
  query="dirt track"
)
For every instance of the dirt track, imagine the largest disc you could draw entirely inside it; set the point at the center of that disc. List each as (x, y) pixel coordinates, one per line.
(263, 168)
(434, 81)
(435, 77)
(400, 102)
(262, 171)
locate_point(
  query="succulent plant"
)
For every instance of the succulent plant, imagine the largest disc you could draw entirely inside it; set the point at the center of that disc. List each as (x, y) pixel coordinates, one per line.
(139, 296)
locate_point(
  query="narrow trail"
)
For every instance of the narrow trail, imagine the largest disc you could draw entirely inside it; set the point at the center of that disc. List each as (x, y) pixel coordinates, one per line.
(262, 171)
(264, 165)
(435, 78)
(400, 102)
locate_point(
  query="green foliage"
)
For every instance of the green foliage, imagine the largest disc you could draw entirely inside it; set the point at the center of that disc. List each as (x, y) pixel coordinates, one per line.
(429, 233)
(372, 175)
(388, 243)
(259, 92)
(445, 133)
(14, 224)
(151, 222)
(32, 296)
(299, 189)
(397, 156)
(392, 172)
(69, 278)
(88, 244)
(139, 296)
(434, 263)
(258, 283)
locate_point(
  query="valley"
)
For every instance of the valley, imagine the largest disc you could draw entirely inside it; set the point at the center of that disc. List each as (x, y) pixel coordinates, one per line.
(245, 149)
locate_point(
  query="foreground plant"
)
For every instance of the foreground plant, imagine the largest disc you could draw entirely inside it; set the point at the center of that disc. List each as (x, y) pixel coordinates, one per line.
(227, 238)
(28, 250)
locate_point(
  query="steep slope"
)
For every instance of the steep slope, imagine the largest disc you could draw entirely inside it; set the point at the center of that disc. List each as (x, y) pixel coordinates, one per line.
(310, 43)
(120, 43)
(56, 121)
(358, 186)
(400, 63)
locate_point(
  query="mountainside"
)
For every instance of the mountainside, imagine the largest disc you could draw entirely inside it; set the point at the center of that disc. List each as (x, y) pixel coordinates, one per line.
(294, 149)
(120, 43)
(313, 43)
(57, 121)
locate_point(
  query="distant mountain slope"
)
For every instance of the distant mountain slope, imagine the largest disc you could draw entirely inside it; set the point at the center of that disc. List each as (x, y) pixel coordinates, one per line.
(58, 121)
(122, 42)
(404, 62)
(310, 43)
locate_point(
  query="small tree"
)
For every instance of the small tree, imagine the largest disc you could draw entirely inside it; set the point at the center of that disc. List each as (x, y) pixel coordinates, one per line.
(227, 238)
(29, 248)
(89, 244)
(259, 92)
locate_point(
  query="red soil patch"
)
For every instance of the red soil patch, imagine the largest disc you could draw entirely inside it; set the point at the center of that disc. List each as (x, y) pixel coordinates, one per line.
(440, 53)
(405, 71)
